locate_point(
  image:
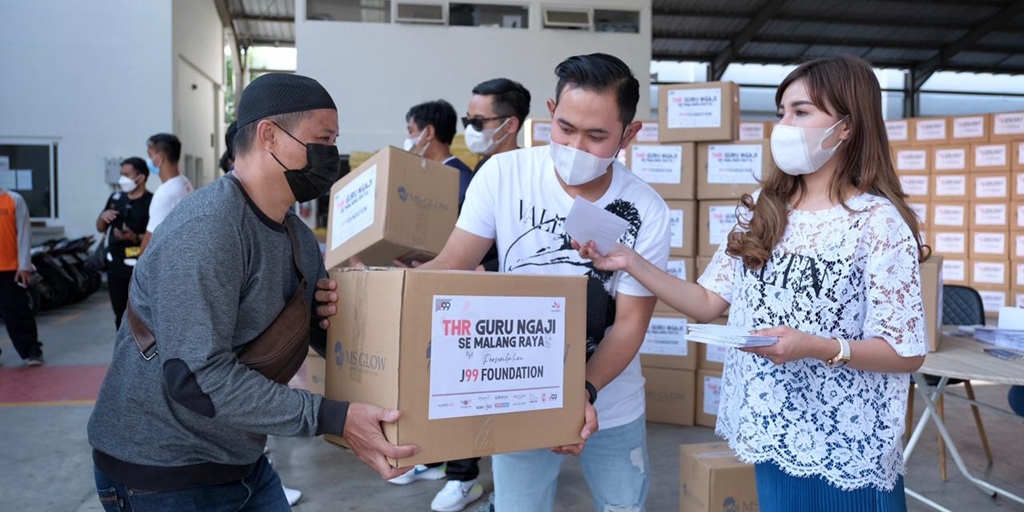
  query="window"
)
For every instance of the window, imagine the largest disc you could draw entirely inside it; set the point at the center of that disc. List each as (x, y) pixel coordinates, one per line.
(29, 167)
(489, 15)
(367, 11)
(616, 21)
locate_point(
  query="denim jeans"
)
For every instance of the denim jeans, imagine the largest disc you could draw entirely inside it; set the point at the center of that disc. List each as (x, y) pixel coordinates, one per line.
(259, 492)
(615, 466)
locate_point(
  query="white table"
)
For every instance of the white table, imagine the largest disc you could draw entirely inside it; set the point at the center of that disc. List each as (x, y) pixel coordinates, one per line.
(961, 358)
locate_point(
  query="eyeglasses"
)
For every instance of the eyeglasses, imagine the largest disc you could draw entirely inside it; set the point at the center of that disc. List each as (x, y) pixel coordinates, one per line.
(478, 122)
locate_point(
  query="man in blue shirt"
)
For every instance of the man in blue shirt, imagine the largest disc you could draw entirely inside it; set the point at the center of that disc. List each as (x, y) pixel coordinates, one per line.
(432, 126)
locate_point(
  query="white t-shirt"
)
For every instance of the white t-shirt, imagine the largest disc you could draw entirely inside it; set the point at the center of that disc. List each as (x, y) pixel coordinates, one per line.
(835, 273)
(166, 197)
(516, 199)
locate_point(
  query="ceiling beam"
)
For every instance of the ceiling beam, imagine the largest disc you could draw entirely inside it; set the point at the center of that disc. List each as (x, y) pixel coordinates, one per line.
(796, 59)
(835, 41)
(926, 69)
(859, 21)
(269, 19)
(767, 11)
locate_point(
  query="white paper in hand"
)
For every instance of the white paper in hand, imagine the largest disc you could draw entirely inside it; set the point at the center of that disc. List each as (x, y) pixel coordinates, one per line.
(588, 222)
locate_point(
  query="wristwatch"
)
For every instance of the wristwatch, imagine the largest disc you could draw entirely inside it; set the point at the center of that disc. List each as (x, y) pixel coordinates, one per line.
(842, 357)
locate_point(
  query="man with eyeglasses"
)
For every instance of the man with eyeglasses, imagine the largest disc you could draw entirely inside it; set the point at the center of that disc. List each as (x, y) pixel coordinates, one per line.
(497, 111)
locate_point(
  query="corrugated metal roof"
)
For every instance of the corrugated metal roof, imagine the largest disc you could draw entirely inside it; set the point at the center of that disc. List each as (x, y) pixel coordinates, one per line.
(263, 22)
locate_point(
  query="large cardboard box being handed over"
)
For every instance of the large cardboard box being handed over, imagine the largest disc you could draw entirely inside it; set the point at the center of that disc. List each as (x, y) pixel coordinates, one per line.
(712, 479)
(395, 205)
(478, 363)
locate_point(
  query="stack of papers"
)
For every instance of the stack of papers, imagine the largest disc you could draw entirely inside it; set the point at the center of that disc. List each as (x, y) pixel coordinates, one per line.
(725, 336)
(1006, 338)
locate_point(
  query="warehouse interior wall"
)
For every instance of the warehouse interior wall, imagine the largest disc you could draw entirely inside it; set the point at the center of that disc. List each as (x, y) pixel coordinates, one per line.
(376, 71)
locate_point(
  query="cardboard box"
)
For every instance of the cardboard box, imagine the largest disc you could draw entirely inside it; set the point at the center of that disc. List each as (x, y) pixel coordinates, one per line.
(954, 270)
(681, 268)
(916, 185)
(898, 131)
(698, 112)
(971, 128)
(990, 242)
(312, 374)
(671, 396)
(1016, 245)
(990, 214)
(395, 205)
(682, 228)
(537, 132)
(990, 157)
(950, 243)
(670, 169)
(1017, 215)
(728, 170)
(1017, 156)
(931, 294)
(648, 134)
(711, 357)
(709, 392)
(756, 130)
(438, 346)
(991, 186)
(1017, 274)
(950, 215)
(950, 187)
(990, 272)
(921, 210)
(930, 130)
(665, 344)
(717, 219)
(994, 298)
(1007, 126)
(950, 158)
(1017, 297)
(712, 479)
(912, 159)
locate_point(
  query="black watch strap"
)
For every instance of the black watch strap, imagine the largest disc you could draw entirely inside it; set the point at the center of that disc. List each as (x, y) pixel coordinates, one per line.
(591, 390)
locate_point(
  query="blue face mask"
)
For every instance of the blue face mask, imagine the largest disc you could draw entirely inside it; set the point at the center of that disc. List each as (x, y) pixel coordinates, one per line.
(153, 169)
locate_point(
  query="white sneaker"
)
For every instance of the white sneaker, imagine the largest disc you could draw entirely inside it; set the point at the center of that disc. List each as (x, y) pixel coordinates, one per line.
(456, 495)
(293, 495)
(420, 472)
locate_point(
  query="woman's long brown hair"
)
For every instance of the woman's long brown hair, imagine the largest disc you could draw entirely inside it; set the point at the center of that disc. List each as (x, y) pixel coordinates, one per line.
(847, 85)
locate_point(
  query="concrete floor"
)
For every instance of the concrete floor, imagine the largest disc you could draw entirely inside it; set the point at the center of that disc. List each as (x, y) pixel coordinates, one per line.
(46, 458)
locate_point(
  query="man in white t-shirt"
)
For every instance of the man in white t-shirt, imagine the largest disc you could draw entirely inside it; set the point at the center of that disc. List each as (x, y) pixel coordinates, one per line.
(163, 151)
(520, 199)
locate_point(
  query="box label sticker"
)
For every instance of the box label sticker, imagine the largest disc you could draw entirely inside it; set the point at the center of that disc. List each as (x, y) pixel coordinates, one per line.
(676, 227)
(931, 129)
(658, 164)
(1008, 124)
(721, 220)
(1020, 183)
(734, 164)
(677, 268)
(665, 337)
(949, 215)
(712, 394)
(1020, 246)
(648, 133)
(951, 159)
(968, 127)
(953, 270)
(752, 131)
(921, 211)
(993, 300)
(541, 132)
(1020, 216)
(989, 243)
(354, 207)
(991, 186)
(951, 243)
(990, 156)
(911, 159)
(1020, 276)
(914, 185)
(989, 272)
(694, 108)
(1020, 300)
(496, 355)
(897, 130)
(1020, 152)
(990, 214)
(951, 185)
(715, 353)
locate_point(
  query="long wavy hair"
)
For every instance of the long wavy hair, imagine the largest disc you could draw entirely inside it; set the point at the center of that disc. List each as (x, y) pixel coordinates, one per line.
(844, 87)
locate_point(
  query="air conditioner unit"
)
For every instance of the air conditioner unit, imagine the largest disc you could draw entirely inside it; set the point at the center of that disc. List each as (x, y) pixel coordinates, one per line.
(560, 17)
(433, 14)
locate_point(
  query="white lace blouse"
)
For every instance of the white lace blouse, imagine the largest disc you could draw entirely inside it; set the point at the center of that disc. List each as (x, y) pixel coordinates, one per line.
(834, 273)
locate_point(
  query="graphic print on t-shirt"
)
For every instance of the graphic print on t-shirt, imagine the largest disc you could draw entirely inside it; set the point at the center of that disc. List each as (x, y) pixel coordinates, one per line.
(559, 251)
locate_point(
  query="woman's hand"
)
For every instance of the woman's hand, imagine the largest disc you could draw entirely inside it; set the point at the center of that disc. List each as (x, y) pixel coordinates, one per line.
(619, 257)
(793, 345)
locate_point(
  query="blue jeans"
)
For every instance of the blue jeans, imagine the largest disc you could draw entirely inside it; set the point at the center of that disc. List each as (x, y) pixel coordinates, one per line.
(615, 466)
(1016, 399)
(259, 492)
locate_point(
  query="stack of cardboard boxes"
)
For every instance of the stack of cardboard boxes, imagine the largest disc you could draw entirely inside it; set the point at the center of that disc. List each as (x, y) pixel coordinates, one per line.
(965, 179)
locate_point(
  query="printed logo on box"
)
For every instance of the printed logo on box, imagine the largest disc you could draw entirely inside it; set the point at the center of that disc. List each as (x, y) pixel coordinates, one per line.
(1008, 124)
(990, 214)
(677, 268)
(676, 227)
(949, 215)
(914, 185)
(359, 361)
(897, 130)
(953, 270)
(734, 164)
(648, 133)
(968, 127)
(752, 131)
(694, 108)
(932, 129)
(721, 220)
(954, 243)
(665, 337)
(990, 156)
(989, 243)
(991, 186)
(989, 272)
(657, 164)
(951, 185)
(950, 159)
(911, 159)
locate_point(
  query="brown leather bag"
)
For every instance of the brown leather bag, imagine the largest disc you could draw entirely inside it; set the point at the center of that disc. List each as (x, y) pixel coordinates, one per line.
(277, 352)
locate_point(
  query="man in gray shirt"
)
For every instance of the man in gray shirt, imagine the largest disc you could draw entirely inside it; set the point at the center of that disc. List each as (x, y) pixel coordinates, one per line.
(182, 425)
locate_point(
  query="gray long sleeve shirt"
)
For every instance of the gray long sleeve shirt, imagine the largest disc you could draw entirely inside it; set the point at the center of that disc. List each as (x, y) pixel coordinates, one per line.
(216, 274)
(22, 225)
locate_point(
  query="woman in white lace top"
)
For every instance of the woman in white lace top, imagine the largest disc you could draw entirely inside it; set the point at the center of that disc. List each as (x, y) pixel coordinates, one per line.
(825, 257)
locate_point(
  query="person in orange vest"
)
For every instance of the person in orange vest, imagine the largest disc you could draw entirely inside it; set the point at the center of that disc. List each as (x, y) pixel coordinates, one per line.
(16, 272)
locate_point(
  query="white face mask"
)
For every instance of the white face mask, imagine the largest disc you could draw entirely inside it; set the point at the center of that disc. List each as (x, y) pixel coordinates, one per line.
(577, 167)
(412, 142)
(127, 184)
(482, 142)
(798, 151)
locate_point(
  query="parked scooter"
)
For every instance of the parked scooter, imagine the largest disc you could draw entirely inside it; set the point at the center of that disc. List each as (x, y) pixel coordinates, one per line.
(61, 275)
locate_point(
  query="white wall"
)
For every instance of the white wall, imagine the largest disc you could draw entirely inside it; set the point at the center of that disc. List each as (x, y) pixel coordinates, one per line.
(376, 71)
(97, 76)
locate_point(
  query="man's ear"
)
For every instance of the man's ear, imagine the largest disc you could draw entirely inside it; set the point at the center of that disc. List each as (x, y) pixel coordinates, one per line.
(266, 135)
(427, 133)
(629, 135)
(551, 107)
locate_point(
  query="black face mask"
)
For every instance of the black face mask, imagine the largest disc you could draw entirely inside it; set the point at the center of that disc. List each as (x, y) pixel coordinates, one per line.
(323, 167)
